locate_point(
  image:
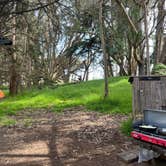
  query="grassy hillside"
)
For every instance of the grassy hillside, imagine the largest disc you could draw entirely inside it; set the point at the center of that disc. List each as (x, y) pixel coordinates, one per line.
(89, 94)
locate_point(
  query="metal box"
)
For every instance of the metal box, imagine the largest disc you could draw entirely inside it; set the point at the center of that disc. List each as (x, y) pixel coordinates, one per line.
(155, 117)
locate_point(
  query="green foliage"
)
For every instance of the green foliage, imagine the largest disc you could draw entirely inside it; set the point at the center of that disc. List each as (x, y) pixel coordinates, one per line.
(126, 127)
(88, 94)
(159, 69)
(3, 87)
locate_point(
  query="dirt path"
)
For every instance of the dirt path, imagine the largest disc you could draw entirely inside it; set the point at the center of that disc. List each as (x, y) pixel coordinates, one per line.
(74, 138)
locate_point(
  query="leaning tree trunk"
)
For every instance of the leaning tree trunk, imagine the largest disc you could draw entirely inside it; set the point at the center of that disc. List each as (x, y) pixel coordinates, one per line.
(105, 55)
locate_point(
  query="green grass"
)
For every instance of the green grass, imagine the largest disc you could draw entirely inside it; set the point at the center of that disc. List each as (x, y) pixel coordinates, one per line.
(126, 127)
(7, 121)
(89, 94)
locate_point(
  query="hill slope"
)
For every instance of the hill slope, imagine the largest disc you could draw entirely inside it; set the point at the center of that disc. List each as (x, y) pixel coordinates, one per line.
(88, 94)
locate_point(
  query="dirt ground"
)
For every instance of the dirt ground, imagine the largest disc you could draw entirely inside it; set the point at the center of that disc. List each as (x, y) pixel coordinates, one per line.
(73, 138)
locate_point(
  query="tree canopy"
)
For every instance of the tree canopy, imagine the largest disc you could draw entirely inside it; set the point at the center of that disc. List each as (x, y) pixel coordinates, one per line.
(58, 41)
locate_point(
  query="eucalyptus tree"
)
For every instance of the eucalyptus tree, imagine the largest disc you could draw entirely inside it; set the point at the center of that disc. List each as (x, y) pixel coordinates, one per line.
(13, 23)
(160, 45)
(95, 9)
(55, 39)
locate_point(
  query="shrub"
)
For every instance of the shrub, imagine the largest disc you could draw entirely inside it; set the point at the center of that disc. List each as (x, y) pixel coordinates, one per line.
(159, 69)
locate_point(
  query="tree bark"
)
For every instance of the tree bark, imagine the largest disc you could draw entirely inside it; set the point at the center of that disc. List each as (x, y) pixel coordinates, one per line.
(14, 79)
(105, 55)
(147, 39)
(110, 68)
(163, 53)
(159, 46)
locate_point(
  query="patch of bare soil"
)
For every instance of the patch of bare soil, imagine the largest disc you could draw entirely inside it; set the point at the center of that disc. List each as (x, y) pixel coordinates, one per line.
(73, 138)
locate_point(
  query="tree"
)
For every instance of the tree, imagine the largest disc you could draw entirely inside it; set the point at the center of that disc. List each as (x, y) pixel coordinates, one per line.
(147, 38)
(103, 44)
(14, 76)
(159, 55)
(56, 40)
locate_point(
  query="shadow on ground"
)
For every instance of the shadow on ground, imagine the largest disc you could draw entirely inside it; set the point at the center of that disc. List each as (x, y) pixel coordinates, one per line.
(72, 138)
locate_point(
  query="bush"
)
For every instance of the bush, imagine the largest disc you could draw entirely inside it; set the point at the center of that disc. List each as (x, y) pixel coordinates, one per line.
(159, 69)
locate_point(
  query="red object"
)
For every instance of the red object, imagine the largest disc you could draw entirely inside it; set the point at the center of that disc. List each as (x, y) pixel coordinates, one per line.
(148, 138)
(2, 95)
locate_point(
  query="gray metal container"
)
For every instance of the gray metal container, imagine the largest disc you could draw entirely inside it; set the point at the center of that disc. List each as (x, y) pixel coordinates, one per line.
(155, 118)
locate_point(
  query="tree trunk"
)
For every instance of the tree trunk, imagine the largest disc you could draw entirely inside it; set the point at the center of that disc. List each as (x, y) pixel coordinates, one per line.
(105, 55)
(122, 71)
(159, 33)
(134, 63)
(110, 68)
(163, 53)
(147, 39)
(14, 79)
(87, 75)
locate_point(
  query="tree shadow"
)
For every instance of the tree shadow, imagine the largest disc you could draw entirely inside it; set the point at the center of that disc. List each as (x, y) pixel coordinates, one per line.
(53, 153)
(48, 136)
